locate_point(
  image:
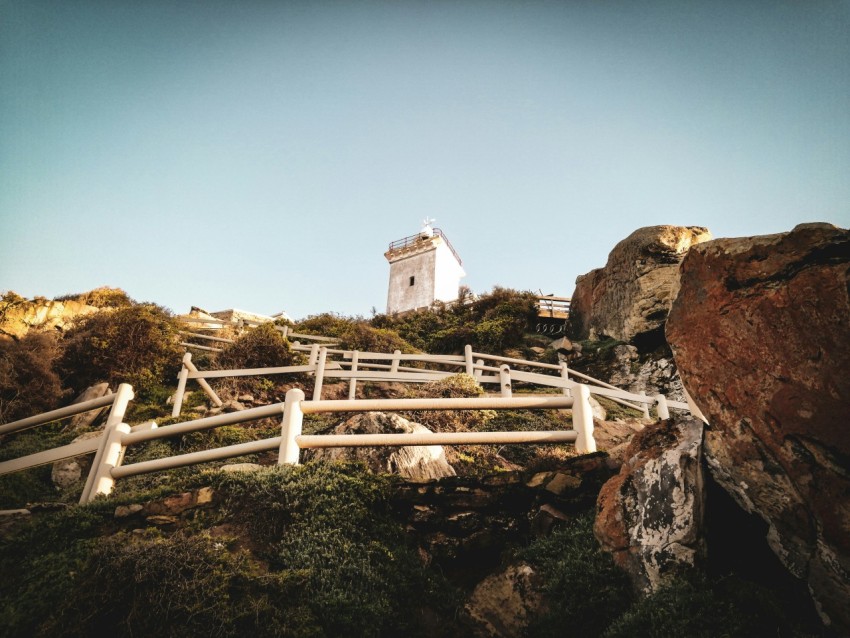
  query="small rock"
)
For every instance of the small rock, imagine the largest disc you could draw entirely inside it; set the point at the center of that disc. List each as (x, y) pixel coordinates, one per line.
(240, 467)
(232, 406)
(204, 496)
(502, 604)
(84, 420)
(563, 345)
(561, 483)
(161, 520)
(123, 511)
(246, 398)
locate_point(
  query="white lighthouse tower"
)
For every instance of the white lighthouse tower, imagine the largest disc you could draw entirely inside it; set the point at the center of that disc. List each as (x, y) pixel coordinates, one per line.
(424, 268)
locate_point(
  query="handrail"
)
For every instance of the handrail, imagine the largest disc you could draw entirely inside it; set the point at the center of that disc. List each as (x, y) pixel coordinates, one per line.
(55, 415)
(410, 240)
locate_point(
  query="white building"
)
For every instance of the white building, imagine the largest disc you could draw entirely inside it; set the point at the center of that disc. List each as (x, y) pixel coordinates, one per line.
(424, 268)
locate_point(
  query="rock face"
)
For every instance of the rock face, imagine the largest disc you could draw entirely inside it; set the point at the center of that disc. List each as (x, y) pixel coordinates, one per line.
(761, 336)
(503, 603)
(420, 463)
(650, 515)
(84, 420)
(19, 317)
(631, 295)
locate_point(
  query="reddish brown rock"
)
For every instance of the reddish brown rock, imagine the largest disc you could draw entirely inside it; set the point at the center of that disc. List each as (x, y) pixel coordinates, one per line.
(761, 336)
(631, 295)
(650, 515)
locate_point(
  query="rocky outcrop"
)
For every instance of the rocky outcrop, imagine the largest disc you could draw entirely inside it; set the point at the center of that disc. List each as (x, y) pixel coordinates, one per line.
(19, 316)
(503, 603)
(650, 515)
(761, 338)
(630, 297)
(419, 463)
(86, 419)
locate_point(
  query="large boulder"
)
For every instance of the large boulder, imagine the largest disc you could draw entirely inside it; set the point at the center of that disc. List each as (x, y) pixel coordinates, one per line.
(761, 336)
(86, 419)
(630, 297)
(650, 515)
(414, 463)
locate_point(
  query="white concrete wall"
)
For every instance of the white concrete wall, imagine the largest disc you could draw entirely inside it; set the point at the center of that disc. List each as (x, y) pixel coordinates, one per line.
(401, 295)
(436, 276)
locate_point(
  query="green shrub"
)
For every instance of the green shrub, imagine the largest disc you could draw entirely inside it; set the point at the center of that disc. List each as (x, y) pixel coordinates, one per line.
(457, 386)
(28, 382)
(104, 297)
(135, 344)
(583, 587)
(355, 334)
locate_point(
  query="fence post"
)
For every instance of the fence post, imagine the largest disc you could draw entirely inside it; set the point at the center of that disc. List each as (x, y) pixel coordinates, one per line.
(181, 385)
(394, 366)
(352, 385)
(285, 332)
(113, 454)
(505, 380)
(470, 365)
(205, 386)
(661, 407)
(293, 419)
(123, 396)
(583, 420)
(645, 406)
(478, 371)
(314, 354)
(320, 374)
(565, 375)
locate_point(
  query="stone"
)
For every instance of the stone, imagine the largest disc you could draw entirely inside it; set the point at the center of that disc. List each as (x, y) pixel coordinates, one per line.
(562, 345)
(240, 467)
(230, 406)
(629, 297)
(124, 511)
(596, 409)
(67, 472)
(761, 338)
(414, 463)
(245, 398)
(503, 604)
(204, 496)
(19, 317)
(86, 419)
(649, 516)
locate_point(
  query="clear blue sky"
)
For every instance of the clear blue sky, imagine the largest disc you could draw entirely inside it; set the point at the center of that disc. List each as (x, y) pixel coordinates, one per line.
(262, 155)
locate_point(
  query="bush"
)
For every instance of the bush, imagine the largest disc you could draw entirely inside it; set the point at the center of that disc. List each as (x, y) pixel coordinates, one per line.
(355, 334)
(103, 297)
(28, 383)
(136, 345)
(584, 588)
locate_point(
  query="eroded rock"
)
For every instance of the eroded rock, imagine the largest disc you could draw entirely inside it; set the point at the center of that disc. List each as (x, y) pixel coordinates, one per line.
(761, 337)
(631, 295)
(414, 463)
(503, 603)
(650, 515)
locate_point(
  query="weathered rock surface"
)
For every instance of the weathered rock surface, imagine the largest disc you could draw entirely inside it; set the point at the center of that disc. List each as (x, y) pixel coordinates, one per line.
(650, 374)
(761, 336)
(68, 472)
(86, 419)
(419, 463)
(503, 603)
(650, 515)
(631, 295)
(19, 317)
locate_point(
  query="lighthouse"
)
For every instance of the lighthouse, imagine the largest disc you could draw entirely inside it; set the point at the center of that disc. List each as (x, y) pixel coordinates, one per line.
(424, 268)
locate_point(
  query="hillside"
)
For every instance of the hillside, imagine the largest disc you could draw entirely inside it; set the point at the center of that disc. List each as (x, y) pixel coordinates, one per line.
(646, 536)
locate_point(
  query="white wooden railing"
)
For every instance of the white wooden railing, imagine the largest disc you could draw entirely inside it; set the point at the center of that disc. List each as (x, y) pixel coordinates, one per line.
(118, 436)
(355, 366)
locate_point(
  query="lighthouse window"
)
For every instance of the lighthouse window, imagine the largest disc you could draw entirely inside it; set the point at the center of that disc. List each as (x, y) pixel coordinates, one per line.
(411, 280)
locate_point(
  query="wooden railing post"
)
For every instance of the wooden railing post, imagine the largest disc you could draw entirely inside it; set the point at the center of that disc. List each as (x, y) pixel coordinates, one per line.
(661, 407)
(470, 365)
(314, 354)
(505, 380)
(106, 455)
(293, 420)
(181, 385)
(565, 375)
(583, 420)
(478, 371)
(320, 373)
(394, 366)
(352, 385)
